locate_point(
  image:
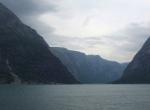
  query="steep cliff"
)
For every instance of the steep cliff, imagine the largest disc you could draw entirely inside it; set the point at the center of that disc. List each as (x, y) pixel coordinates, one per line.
(25, 56)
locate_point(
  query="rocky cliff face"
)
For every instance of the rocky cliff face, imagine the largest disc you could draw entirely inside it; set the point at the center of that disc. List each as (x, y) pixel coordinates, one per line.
(89, 68)
(138, 71)
(25, 56)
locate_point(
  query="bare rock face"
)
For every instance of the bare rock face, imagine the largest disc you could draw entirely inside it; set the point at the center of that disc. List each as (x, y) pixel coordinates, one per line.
(25, 56)
(138, 71)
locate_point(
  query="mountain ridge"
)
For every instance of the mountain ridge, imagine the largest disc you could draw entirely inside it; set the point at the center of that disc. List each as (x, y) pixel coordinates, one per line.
(138, 71)
(89, 68)
(26, 55)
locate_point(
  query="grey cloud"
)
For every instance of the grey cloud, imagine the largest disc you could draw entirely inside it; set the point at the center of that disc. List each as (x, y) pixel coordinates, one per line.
(74, 43)
(29, 10)
(28, 7)
(87, 21)
(133, 37)
(125, 43)
(129, 39)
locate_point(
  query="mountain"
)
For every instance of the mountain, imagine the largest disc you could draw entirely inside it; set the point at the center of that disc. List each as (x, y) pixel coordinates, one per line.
(138, 71)
(89, 68)
(24, 55)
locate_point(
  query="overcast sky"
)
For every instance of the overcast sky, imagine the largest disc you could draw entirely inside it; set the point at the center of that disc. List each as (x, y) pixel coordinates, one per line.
(113, 29)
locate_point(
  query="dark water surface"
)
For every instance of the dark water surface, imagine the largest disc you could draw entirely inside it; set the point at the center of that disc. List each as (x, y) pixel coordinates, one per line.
(75, 97)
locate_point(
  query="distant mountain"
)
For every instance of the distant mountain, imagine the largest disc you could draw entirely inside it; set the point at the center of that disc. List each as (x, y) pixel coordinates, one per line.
(89, 68)
(24, 55)
(138, 71)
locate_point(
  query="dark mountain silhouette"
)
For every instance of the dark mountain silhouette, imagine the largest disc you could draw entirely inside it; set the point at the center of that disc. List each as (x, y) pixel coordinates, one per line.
(89, 68)
(25, 56)
(138, 71)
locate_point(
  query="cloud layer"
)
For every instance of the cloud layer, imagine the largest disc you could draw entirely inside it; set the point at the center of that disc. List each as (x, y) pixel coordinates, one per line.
(29, 7)
(114, 29)
(120, 46)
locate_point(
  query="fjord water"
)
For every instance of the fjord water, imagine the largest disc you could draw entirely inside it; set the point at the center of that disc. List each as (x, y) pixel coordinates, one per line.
(75, 97)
